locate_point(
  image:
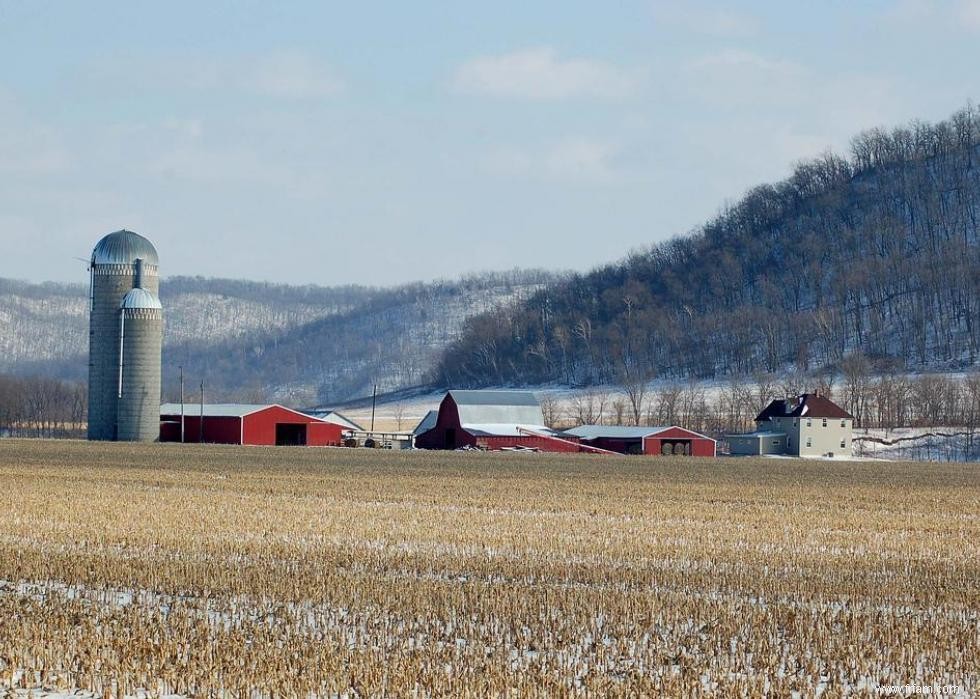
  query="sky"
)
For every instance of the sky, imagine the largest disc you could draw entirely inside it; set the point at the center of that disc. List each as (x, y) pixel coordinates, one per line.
(378, 143)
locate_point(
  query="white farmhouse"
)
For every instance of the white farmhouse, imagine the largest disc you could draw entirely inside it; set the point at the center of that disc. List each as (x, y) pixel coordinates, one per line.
(808, 425)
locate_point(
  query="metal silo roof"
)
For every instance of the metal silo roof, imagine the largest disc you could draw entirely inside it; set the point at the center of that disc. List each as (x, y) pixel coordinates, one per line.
(140, 298)
(124, 248)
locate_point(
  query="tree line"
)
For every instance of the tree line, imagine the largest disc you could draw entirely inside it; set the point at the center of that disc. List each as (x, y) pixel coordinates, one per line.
(885, 401)
(875, 254)
(40, 406)
(946, 404)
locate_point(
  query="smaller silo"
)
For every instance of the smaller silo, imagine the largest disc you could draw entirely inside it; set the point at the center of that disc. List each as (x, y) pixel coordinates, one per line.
(140, 345)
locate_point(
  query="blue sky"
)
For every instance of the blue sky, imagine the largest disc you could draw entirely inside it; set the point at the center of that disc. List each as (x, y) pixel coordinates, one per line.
(376, 143)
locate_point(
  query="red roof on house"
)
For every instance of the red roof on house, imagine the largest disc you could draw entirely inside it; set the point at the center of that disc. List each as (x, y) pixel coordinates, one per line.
(807, 405)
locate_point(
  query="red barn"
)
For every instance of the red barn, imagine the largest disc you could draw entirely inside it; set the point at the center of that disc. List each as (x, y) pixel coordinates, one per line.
(644, 440)
(232, 423)
(491, 420)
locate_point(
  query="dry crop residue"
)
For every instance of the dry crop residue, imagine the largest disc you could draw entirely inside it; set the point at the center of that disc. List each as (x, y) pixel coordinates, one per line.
(352, 572)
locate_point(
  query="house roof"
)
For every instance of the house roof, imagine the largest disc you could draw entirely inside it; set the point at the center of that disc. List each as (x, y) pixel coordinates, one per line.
(806, 405)
(497, 407)
(223, 409)
(613, 431)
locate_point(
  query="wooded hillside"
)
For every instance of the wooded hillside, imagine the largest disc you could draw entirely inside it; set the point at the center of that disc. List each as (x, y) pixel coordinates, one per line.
(875, 254)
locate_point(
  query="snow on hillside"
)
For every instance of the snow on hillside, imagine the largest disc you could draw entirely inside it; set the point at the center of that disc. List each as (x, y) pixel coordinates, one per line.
(919, 444)
(266, 342)
(46, 327)
(37, 326)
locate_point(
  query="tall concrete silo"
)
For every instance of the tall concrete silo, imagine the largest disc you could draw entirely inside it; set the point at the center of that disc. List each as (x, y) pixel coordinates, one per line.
(123, 402)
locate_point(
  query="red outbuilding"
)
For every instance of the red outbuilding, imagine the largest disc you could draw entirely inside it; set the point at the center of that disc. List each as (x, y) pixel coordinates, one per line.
(491, 420)
(644, 440)
(232, 423)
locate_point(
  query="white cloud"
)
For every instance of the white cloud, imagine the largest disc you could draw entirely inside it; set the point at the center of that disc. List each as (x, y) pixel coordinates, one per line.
(538, 73)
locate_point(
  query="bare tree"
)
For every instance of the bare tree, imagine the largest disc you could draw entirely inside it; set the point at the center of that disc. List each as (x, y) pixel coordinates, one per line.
(399, 413)
(619, 411)
(551, 409)
(634, 379)
(856, 370)
(589, 405)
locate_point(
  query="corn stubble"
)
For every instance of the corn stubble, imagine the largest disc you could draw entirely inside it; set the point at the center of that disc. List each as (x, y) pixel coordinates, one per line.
(278, 572)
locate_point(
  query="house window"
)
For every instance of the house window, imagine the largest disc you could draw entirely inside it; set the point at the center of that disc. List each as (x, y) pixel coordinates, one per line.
(825, 422)
(775, 442)
(843, 423)
(809, 442)
(795, 421)
(809, 422)
(843, 444)
(789, 441)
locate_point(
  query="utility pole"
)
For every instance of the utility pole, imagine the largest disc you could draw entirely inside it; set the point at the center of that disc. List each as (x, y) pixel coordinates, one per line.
(181, 404)
(374, 403)
(201, 436)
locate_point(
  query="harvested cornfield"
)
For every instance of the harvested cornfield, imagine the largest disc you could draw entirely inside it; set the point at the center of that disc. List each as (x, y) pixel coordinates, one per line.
(201, 570)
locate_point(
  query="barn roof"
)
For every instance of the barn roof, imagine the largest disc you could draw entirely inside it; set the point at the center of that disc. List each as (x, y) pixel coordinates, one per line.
(497, 407)
(505, 429)
(223, 409)
(427, 423)
(336, 418)
(807, 405)
(613, 431)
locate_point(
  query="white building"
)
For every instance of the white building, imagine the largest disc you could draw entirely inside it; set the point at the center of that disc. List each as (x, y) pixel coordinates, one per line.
(808, 425)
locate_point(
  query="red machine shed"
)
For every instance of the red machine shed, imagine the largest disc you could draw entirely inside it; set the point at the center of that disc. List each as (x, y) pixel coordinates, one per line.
(224, 423)
(645, 440)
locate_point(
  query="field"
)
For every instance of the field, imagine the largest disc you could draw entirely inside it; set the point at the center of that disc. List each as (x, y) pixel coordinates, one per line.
(196, 570)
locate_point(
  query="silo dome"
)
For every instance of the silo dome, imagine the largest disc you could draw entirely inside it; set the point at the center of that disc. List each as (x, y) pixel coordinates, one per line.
(140, 299)
(124, 248)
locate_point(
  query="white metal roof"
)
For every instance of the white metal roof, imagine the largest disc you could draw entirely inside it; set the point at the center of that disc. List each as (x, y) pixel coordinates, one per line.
(505, 429)
(614, 431)
(336, 418)
(480, 397)
(497, 407)
(140, 298)
(124, 248)
(224, 409)
(427, 423)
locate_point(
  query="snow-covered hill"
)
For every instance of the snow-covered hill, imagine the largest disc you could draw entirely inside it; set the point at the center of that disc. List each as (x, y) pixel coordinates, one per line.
(260, 341)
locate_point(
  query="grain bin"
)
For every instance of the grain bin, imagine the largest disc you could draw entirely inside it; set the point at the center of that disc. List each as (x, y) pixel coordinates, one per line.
(122, 262)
